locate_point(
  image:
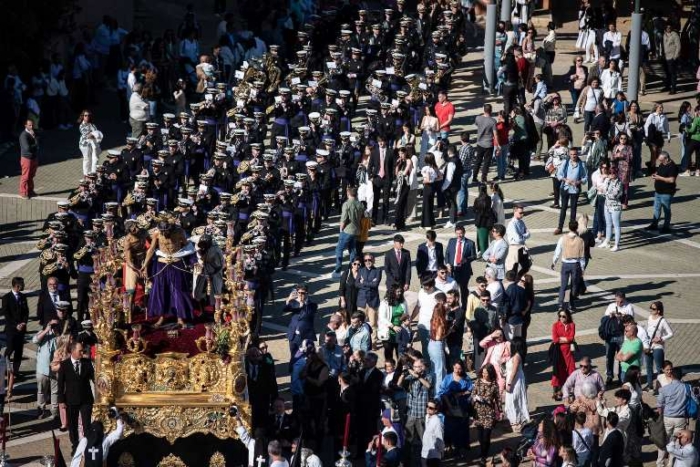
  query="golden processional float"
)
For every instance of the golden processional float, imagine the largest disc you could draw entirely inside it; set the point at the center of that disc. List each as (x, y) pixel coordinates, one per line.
(170, 395)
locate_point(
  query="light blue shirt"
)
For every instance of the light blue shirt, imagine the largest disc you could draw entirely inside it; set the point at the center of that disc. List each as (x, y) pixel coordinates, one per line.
(46, 347)
(567, 169)
(672, 399)
(498, 249)
(516, 232)
(334, 359)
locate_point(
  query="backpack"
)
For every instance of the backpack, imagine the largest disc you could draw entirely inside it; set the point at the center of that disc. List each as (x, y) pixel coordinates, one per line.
(609, 327)
(691, 405)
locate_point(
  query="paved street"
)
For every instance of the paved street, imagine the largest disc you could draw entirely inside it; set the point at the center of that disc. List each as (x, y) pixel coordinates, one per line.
(648, 267)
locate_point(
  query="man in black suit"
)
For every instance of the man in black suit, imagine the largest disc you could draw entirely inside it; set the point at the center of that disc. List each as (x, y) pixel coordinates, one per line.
(74, 392)
(369, 393)
(16, 313)
(613, 446)
(46, 306)
(346, 404)
(262, 387)
(383, 161)
(430, 256)
(460, 253)
(281, 426)
(397, 265)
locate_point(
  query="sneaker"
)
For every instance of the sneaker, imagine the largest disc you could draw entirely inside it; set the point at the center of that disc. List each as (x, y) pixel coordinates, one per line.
(697, 173)
(615, 248)
(604, 244)
(652, 226)
(685, 174)
(335, 274)
(449, 225)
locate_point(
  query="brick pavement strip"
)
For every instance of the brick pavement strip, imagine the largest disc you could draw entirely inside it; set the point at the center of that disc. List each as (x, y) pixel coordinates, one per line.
(648, 266)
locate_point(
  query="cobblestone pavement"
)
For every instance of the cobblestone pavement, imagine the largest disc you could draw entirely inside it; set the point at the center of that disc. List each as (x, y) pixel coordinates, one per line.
(648, 266)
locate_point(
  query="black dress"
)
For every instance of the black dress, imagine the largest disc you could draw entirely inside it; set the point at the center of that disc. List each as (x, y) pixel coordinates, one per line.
(348, 287)
(402, 188)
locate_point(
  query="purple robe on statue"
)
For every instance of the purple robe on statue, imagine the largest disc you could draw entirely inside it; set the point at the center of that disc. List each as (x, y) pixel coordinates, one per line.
(171, 293)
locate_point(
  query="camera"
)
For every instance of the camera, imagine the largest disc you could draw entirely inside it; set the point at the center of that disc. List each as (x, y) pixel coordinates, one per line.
(233, 411)
(114, 413)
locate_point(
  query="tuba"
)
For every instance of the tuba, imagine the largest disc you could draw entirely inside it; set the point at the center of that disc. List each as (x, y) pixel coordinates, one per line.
(274, 74)
(414, 81)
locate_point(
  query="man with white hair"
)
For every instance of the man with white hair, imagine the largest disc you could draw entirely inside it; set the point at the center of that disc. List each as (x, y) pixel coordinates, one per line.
(494, 286)
(138, 111)
(583, 377)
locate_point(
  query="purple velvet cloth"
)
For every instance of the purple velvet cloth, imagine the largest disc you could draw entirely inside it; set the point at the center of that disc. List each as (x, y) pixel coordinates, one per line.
(171, 294)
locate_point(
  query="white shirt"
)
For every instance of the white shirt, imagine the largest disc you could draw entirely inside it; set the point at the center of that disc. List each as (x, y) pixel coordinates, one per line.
(107, 443)
(626, 309)
(433, 443)
(495, 288)
(616, 39)
(447, 285)
(664, 330)
(426, 302)
(448, 175)
(432, 257)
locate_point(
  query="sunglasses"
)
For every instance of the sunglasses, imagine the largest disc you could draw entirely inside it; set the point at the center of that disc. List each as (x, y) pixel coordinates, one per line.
(584, 367)
(355, 264)
(563, 316)
(368, 260)
(653, 308)
(430, 407)
(442, 272)
(485, 300)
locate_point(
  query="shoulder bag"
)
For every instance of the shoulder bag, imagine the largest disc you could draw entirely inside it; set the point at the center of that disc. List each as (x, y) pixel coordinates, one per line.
(649, 351)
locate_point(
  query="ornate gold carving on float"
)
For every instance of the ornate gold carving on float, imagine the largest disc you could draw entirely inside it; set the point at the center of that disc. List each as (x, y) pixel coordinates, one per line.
(172, 394)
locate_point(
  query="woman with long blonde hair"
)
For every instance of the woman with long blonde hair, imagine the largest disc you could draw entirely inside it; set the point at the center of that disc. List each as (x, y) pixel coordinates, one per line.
(588, 242)
(61, 353)
(438, 332)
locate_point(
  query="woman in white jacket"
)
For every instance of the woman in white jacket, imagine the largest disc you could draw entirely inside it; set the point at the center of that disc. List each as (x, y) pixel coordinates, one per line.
(391, 309)
(89, 143)
(611, 81)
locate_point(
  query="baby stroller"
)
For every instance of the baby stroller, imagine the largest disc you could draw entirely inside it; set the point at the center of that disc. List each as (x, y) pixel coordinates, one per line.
(528, 434)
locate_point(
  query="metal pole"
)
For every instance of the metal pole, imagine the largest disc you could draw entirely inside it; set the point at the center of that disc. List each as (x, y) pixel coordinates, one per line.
(506, 6)
(635, 55)
(490, 46)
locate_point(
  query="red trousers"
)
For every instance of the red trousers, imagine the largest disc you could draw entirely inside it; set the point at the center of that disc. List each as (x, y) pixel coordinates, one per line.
(26, 182)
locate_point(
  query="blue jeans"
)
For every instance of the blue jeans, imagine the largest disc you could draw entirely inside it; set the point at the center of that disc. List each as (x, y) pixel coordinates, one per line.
(463, 194)
(612, 219)
(436, 350)
(657, 359)
(502, 162)
(345, 242)
(662, 201)
(570, 272)
(599, 215)
(685, 155)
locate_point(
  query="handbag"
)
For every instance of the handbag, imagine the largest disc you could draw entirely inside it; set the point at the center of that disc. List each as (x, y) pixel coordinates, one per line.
(592, 195)
(573, 346)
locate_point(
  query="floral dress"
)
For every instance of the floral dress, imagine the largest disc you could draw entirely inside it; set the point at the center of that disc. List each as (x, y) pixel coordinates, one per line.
(486, 409)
